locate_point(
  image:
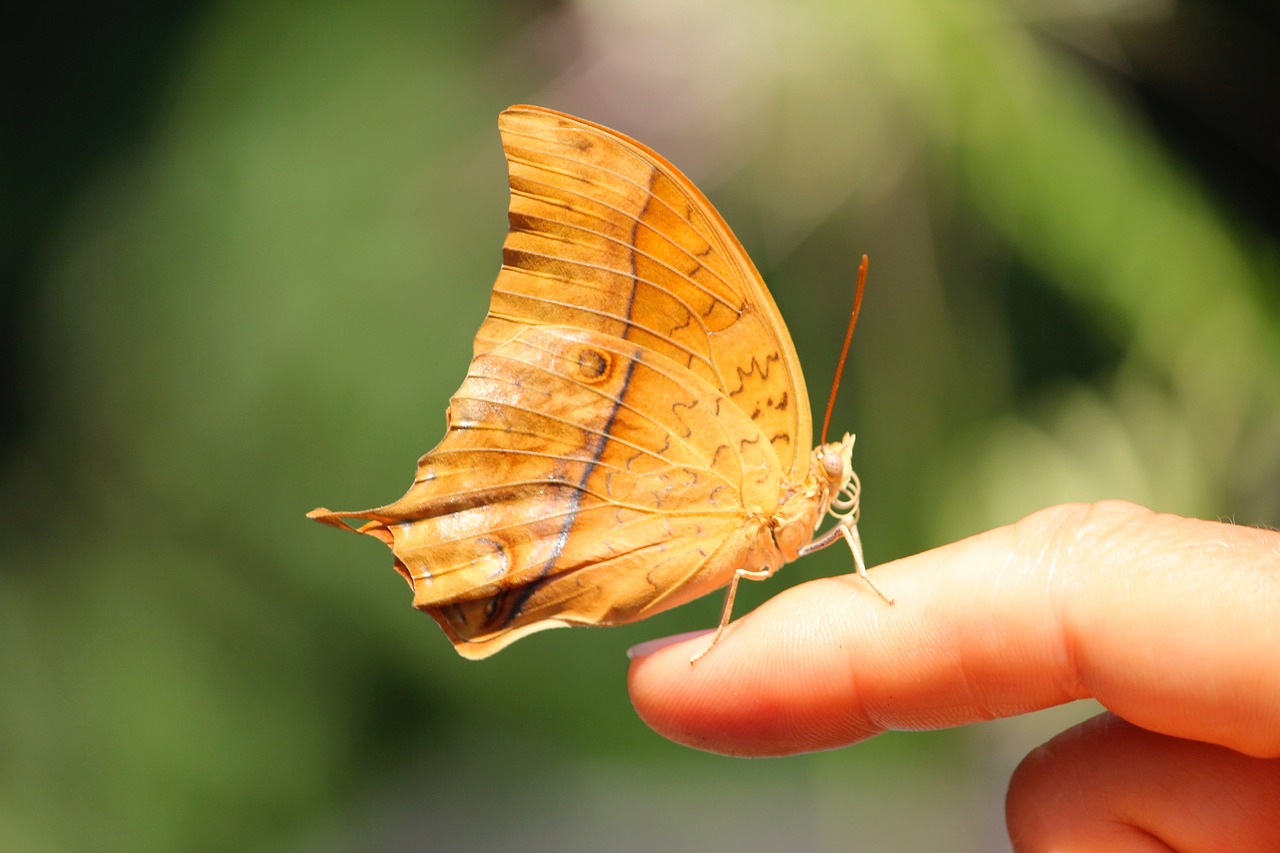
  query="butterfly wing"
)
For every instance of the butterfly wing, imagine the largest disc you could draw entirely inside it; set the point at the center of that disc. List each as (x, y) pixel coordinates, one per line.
(607, 235)
(633, 413)
(584, 479)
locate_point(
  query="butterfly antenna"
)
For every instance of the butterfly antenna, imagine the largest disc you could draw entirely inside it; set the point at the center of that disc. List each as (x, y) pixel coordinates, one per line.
(844, 353)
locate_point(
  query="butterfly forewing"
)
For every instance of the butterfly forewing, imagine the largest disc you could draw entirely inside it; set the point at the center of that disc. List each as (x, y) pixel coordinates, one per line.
(607, 235)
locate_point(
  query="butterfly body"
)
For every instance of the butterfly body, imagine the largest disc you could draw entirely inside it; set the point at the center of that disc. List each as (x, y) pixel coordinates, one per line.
(634, 427)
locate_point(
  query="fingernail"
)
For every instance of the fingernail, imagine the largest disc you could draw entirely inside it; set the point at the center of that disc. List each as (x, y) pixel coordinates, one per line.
(648, 647)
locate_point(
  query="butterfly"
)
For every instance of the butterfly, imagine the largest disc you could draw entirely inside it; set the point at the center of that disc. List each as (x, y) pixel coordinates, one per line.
(633, 431)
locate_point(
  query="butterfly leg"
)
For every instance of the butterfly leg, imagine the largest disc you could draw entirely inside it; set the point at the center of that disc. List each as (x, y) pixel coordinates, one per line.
(749, 574)
(848, 529)
(850, 532)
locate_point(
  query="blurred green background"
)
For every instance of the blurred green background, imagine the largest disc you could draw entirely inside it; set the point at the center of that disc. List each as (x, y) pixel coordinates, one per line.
(245, 249)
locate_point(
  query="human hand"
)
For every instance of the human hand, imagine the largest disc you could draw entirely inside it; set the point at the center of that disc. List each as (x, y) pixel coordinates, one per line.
(1173, 624)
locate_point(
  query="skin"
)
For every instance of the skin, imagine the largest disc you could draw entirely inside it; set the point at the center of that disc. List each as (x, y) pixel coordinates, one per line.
(1173, 624)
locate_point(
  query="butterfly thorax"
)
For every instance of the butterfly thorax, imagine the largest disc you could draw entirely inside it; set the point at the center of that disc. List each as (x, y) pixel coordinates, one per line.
(800, 514)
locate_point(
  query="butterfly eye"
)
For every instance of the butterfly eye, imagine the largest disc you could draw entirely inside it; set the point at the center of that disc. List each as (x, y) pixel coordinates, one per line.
(832, 465)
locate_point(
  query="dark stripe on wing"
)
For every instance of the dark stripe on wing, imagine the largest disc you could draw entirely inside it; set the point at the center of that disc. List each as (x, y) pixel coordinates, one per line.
(525, 592)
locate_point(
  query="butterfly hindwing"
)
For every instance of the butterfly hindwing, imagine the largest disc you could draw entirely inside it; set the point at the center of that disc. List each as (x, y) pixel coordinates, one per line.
(577, 466)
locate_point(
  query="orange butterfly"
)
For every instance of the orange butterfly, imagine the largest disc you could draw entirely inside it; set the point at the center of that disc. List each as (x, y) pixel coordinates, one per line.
(633, 431)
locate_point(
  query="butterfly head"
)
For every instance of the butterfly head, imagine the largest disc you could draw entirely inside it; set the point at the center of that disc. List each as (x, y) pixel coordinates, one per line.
(833, 463)
(831, 487)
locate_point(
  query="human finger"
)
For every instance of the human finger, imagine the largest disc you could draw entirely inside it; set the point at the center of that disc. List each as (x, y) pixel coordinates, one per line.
(1109, 785)
(1168, 621)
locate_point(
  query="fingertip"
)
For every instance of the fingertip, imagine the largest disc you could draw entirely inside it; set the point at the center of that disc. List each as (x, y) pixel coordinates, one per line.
(772, 685)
